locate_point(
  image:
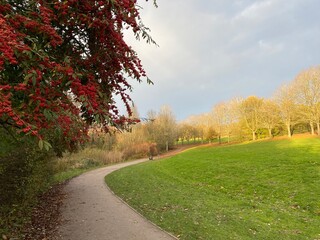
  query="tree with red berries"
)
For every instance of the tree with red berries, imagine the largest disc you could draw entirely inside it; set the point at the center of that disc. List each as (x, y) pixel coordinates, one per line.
(62, 63)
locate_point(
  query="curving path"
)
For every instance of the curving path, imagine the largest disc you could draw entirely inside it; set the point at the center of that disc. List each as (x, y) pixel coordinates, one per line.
(92, 211)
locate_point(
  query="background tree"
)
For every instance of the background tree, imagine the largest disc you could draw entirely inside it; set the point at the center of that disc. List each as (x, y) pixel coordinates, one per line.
(150, 126)
(307, 89)
(208, 126)
(165, 128)
(318, 117)
(199, 122)
(219, 119)
(231, 118)
(270, 115)
(250, 110)
(285, 99)
(187, 131)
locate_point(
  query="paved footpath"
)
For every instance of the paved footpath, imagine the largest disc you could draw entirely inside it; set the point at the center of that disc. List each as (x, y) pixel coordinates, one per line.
(92, 212)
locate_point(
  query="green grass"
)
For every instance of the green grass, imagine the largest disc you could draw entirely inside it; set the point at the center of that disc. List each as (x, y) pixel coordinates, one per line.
(202, 141)
(69, 174)
(262, 190)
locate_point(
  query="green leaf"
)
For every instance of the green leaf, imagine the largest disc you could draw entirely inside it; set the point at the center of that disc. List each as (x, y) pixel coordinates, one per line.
(100, 94)
(44, 145)
(68, 83)
(149, 81)
(47, 114)
(27, 77)
(54, 115)
(40, 144)
(97, 118)
(67, 60)
(47, 145)
(34, 80)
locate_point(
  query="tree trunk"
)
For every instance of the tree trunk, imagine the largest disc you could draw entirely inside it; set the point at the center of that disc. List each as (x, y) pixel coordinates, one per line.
(289, 130)
(312, 127)
(270, 132)
(219, 139)
(253, 135)
(318, 128)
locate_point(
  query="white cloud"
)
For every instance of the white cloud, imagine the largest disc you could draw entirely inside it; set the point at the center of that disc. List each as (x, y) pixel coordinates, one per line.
(256, 11)
(270, 48)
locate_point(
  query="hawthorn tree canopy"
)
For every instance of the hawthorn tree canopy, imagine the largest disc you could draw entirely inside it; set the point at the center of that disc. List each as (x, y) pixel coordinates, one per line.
(62, 63)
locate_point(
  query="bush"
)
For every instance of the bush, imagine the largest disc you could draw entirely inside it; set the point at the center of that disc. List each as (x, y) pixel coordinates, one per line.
(139, 151)
(25, 172)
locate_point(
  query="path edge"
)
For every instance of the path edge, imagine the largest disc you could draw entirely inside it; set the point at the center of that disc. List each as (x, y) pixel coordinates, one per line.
(125, 203)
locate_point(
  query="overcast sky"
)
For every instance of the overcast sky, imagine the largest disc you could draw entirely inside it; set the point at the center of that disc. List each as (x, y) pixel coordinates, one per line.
(213, 50)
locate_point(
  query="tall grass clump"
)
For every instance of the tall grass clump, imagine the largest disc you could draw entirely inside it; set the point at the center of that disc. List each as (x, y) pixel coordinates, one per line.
(73, 164)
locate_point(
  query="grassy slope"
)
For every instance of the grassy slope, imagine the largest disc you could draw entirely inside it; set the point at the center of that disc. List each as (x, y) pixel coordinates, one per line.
(263, 190)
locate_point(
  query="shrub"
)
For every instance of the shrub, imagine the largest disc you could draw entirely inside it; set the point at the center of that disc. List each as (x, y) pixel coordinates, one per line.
(140, 151)
(25, 172)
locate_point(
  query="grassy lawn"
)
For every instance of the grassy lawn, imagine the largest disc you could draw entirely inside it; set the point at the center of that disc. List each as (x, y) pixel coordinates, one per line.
(262, 190)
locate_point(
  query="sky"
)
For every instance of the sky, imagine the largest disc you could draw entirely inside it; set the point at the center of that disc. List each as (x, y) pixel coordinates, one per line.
(211, 51)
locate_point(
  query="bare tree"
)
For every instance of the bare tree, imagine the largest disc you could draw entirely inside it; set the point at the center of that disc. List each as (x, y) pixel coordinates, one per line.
(232, 118)
(318, 117)
(270, 115)
(208, 127)
(250, 110)
(286, 101)
(203, 124)
(187, 131)
(307, 90)
(165, 128)
(220, 114)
